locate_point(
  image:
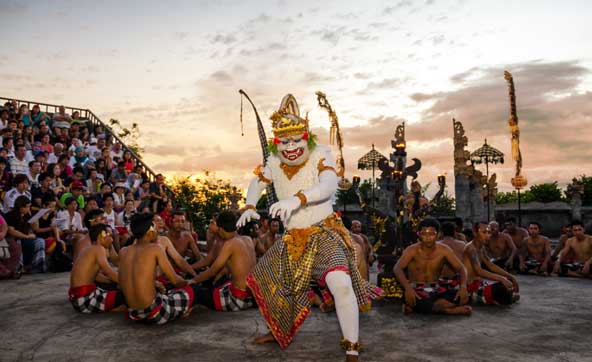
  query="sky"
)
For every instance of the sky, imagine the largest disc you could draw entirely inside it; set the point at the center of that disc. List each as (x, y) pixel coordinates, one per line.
(175, 68)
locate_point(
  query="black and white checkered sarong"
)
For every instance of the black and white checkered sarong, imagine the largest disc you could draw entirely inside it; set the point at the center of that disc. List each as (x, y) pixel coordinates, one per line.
(92, 299)
(165, 307)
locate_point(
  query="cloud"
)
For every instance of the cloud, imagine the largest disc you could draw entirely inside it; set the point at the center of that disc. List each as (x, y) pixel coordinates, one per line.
(383, 84)
(554, 116)
(398, 6)
(224, 39)
(221, 76)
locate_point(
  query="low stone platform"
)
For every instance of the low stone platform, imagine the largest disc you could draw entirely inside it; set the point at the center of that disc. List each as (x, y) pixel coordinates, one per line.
(552, 322)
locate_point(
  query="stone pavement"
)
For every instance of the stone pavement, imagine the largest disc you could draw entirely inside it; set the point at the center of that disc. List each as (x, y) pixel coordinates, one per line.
(552, 322)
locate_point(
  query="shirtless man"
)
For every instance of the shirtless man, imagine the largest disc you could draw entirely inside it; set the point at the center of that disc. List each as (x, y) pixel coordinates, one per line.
(181, 237)
(535, 257)
(251, 229)
(214, 246)
(356, 229)
(561, 243)
(84, 294)
(175, 258)
(459, 235)
(518, 235)
(137, 277)
(273, 234)
(361, 255)
(501, 248)
(238, 255)
(498, 286)
(449, 239)
(92, 218)
(424, 261)
(576, 256)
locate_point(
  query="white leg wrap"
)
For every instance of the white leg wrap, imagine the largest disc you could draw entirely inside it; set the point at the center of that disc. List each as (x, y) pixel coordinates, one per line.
(346, 305)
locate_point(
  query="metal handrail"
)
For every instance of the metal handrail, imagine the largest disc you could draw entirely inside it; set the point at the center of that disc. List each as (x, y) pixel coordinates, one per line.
(89, 115)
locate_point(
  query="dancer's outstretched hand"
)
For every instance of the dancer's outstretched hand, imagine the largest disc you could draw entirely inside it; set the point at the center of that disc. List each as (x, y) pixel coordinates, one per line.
(284, 208)
(247, 216)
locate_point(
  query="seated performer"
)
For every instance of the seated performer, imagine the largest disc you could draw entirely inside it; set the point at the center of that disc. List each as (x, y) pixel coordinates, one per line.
(497, 285)
(501, 249)
(84, 294)
(566, 234)
(535, 257)
(449, 234)
(518, 235)
(576, 256)
(179, 263)
(215, 245)
(238, 255)
(137, 277)
(181, 237)
(424, 261)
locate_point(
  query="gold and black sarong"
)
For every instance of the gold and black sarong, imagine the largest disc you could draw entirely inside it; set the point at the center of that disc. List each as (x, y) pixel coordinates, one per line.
(281, 280)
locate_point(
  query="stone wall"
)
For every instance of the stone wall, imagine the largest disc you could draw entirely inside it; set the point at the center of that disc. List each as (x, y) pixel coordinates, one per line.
(551, 216)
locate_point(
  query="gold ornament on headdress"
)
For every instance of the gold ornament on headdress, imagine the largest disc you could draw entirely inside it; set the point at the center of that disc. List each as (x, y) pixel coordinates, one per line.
(286, 121)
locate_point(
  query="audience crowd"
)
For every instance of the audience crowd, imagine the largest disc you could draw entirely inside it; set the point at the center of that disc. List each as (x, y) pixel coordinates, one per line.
(54, 170)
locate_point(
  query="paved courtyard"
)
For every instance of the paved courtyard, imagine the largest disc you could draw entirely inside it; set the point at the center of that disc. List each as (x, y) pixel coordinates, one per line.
(552, 322)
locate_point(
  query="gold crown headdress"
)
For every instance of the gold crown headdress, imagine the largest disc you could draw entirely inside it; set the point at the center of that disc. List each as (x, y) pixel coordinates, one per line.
(286, 121)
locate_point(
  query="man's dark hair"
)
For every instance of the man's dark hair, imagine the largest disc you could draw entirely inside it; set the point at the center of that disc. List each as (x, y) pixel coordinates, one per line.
(5, 141)
(121, 164)
(536, 223)
(106, 196)
(3, 160)
(227, 221)
(458, 221)
(248, 228)
(48, 197)
(19, 178)
(477, 223)
(21, 201)
(429, 222)
(140, 224)
(178, 212)
(43, 176)
(511, 219)
(31, 163)
(78, 169)
(95, 230)
(105, 184)
(577, 222)
(449, 229)
(91, 215)
(69, 200)
(18, 146)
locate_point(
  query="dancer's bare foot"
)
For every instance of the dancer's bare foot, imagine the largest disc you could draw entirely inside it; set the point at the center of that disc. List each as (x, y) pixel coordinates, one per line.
(460, 310)
(351, 358)
(266, 338)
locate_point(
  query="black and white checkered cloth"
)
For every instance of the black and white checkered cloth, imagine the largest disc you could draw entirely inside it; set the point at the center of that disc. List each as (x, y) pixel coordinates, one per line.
(165, 307)
(228, 298)
(92, 299)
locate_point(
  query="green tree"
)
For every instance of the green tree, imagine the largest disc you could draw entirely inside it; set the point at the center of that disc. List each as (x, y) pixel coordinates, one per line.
(547, 192)
(129, 136)
(202, 198)
(446, 205)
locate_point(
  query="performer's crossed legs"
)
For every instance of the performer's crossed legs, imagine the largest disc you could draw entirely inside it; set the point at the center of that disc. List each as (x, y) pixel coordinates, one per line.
(346, 305)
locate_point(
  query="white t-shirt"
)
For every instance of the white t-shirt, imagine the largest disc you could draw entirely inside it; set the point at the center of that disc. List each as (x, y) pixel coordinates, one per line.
(110, 218)
(65, 222)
